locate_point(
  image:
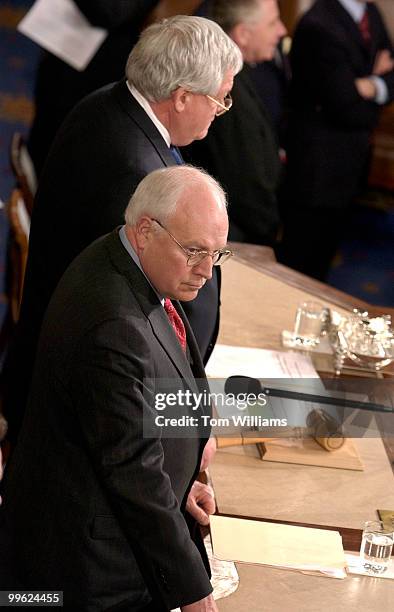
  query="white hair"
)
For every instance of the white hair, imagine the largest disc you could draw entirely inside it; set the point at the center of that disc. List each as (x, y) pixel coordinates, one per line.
(183, 51)
(158, 194)
(228, 14)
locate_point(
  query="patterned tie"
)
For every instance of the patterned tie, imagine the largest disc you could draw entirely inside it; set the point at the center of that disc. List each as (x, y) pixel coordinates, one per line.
(176, 322)
(176, 155)
(364, 28)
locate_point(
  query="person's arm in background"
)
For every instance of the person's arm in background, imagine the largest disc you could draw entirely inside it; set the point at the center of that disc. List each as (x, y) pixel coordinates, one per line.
(379, 86)
(323, 74)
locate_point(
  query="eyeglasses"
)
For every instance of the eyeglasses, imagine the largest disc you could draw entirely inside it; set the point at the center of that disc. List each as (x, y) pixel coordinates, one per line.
(222, 107)
(196, 256)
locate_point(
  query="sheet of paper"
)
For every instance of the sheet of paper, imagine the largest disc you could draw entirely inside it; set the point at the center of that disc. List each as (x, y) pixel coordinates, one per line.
(61, 28)
(285, 546)
(258, 363)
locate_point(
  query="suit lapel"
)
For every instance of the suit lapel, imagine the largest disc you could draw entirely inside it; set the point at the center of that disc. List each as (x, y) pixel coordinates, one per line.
(137, 114)
(151, 307)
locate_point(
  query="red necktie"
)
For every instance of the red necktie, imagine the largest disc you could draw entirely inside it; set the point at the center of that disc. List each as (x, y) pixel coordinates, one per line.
(176, 322)
(364, 28)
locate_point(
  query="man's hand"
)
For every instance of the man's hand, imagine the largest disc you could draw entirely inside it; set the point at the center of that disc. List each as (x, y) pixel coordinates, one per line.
(208, 454)
(200, 504)
(204, 605)
(383, 63)
(366, 88)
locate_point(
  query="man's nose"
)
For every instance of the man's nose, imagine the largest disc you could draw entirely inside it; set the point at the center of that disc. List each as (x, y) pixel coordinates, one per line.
(282, 30)
(204, 268)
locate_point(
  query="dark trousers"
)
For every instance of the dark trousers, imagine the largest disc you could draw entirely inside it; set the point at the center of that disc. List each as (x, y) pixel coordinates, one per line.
(311, 238)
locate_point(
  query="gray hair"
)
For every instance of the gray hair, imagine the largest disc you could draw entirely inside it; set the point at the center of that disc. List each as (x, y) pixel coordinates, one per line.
(158, 194)
(230, 13)
(183, 51)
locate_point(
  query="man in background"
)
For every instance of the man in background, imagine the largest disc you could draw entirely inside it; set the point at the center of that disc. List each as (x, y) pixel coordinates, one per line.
(342, 68)
(241, 149)
(177, 76)
(96, 493)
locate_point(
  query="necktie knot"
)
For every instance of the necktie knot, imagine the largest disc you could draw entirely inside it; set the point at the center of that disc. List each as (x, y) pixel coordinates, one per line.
(176, 322)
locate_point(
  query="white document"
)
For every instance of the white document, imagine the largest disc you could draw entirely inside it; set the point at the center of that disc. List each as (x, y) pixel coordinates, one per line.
(228, 361)
(309, 550)
(61, 28)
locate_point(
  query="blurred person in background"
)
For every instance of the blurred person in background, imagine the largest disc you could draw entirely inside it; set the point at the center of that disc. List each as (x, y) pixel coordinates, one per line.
(342, 67)
(242, 149)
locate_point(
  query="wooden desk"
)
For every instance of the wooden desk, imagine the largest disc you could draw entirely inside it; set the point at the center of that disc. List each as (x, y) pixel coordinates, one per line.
(259, 299)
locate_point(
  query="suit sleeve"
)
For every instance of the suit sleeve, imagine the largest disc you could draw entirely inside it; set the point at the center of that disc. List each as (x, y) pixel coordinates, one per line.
(323, 70)
(111, 403)
(385, 43)
(111, 14)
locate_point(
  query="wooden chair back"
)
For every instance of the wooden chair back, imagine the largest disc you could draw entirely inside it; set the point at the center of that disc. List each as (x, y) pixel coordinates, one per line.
(23, 169)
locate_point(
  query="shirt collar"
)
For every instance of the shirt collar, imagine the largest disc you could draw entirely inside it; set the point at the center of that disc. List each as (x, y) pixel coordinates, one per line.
(142, 101)
(126, 243)
(355, 9)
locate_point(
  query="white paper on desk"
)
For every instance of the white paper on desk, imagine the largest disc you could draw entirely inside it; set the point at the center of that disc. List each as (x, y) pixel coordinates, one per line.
(228, 361)
(258, 363)
(286, 546)
(61, 28)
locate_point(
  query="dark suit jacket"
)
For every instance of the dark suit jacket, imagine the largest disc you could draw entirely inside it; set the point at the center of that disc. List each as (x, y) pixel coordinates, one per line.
(241, 151)
(105, 147)
(91, 504)
(59, 87)
(330, 124)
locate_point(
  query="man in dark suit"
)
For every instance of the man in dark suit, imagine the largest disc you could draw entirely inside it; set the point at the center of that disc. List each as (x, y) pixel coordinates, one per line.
(59, 86)
(342, 75)
(241, 149)
(109, 142)
(97, 490)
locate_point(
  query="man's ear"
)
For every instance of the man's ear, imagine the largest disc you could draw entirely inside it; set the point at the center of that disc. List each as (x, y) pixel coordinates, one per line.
(143, 231)
(180, 98)
(241, 35)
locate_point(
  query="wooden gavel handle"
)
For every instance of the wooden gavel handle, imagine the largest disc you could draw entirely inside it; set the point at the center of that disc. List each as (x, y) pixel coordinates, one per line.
(329, 444)
(241, 441)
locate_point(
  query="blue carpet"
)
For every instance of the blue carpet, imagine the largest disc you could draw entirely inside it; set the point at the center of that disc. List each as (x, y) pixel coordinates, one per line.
(364, 266)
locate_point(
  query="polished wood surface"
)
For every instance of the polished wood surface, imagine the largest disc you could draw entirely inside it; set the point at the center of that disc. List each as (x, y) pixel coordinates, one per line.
(259, 298)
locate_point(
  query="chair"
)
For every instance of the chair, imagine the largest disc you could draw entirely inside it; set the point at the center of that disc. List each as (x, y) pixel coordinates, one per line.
(19, 219)
(18, 243)
(23, 169)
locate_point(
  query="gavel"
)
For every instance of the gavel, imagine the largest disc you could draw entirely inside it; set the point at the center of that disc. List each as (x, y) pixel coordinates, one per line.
(322, 427)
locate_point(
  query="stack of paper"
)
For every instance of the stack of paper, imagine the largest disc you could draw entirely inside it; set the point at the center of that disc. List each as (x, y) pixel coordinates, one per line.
(260, 363)
(316, 551)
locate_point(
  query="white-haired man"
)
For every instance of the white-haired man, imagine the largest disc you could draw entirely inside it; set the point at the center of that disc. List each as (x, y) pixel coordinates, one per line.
(178, 77)
(241, 149)
(96, 493)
